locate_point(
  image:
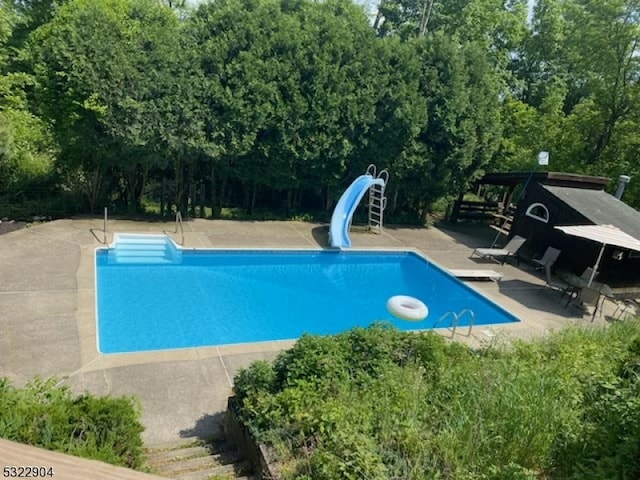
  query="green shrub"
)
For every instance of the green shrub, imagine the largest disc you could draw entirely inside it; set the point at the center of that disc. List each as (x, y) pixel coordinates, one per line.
(607, 443)
(379, 403)
(315, 359)
(347, 455)
(44, 415)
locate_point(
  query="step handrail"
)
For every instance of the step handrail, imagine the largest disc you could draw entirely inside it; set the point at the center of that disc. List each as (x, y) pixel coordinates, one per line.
(104, 229)
(179, 225)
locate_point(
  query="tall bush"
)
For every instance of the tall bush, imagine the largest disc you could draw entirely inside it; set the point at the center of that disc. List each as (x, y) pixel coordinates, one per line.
(48, 416)
(379, 403)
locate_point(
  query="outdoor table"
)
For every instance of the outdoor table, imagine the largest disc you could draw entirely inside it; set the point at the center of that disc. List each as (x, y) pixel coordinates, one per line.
(577, 284)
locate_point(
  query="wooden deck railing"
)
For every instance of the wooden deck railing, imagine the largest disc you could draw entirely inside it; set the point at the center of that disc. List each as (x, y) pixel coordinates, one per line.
(468, 210)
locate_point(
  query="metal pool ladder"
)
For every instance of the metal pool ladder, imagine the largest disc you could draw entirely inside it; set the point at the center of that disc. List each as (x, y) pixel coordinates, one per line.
(456, 320)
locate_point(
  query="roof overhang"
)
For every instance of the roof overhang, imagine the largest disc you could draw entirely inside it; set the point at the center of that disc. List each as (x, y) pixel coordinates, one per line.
(548, 178)
(604, 234)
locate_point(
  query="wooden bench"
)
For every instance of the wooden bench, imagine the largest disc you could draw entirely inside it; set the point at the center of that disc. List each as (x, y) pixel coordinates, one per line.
(477, 274)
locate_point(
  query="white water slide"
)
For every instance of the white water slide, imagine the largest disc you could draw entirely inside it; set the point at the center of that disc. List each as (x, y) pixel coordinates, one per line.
(343, 213)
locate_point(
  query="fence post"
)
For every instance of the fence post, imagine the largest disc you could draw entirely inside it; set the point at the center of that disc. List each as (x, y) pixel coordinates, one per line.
(105, 226)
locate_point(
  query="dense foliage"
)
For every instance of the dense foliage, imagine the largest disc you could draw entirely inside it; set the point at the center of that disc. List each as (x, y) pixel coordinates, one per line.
(47, 416)
(278, 104)
(378, 403)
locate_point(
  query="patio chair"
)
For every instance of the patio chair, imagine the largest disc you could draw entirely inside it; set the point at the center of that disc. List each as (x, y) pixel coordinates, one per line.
(590, 297)
(626, 307)
(509, 250)
(546, 262)
(572, 287)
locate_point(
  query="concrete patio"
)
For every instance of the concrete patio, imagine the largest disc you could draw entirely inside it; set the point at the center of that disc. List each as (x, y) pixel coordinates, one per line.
(48, 326)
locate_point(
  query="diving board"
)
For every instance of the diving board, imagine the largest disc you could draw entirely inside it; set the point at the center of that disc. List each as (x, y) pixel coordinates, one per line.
(476, 274)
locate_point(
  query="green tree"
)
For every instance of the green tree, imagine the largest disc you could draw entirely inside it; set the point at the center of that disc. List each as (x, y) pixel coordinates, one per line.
(493, 24)
(400, 116)
(289, 93)
(234, 39)
(29, 15)
(579, 70)
(331, 115)
(466, 49)
(6, 18)
(463, 130)
(26, 148)
(111, 79)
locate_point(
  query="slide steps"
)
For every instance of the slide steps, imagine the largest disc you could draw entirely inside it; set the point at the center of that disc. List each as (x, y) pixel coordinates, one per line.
(143, 249)
(377, 200)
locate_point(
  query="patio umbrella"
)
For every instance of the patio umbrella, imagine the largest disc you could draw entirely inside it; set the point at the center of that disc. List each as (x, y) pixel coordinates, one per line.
(604, 234)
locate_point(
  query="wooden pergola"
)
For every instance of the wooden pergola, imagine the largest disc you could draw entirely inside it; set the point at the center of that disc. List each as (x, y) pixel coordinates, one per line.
(485, 210)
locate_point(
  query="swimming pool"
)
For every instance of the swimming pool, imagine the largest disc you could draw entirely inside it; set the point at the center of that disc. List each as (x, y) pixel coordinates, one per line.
(219, 297)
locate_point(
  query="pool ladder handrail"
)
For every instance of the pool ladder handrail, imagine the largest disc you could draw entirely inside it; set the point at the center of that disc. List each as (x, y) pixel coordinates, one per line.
(456, 320)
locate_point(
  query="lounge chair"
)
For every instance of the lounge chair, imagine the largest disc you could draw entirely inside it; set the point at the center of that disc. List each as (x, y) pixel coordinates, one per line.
(509, 250)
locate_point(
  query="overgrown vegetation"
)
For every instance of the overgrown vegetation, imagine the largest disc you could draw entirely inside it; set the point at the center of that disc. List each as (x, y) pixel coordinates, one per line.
(277, 105)
(377, 403)
(45, 415)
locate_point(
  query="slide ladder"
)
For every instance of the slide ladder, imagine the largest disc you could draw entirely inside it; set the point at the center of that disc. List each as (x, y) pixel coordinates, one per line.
(377, 200)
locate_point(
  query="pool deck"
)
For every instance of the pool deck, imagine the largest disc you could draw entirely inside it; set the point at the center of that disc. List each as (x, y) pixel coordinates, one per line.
(47, 312)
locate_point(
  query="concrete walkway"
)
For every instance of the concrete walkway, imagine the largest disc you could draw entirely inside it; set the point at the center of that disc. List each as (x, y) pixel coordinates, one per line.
(47, 312)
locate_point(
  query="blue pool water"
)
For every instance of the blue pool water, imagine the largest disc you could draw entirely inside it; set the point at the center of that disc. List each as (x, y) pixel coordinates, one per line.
(222, 297)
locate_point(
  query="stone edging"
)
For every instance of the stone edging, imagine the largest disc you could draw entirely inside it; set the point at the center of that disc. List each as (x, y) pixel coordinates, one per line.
(261, 457)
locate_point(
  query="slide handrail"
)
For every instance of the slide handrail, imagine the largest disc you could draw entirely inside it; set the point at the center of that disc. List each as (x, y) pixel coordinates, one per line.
(371, 170)
(384, 175)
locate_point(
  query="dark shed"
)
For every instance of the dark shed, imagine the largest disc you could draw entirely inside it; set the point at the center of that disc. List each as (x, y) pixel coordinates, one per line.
(543, 207)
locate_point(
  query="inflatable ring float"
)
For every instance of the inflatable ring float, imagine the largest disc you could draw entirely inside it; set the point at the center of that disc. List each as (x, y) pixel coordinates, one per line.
(407, 308)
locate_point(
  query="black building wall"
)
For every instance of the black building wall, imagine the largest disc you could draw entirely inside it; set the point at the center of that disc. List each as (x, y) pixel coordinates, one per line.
(577, 253)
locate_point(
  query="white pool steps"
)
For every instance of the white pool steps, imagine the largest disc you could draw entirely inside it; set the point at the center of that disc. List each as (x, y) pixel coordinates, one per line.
(144, 249)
